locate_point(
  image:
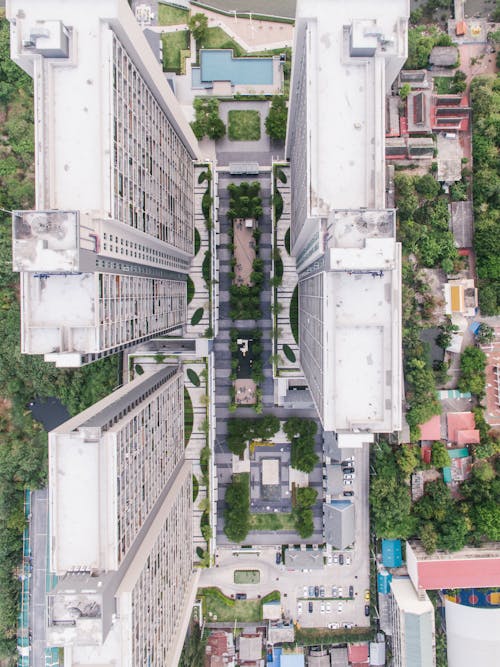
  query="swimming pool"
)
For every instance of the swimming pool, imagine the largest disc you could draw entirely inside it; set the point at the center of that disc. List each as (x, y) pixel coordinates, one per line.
(221, 65)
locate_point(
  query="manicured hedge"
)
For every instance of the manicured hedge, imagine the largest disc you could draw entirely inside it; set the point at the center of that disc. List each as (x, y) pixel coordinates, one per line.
(197, 315)
(289, 353)
(294, 313)
(190, 289)
(194, 378)
(197, 241)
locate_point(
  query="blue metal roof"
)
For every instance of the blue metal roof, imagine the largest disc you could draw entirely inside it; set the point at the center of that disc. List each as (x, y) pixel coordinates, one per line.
(391, 553)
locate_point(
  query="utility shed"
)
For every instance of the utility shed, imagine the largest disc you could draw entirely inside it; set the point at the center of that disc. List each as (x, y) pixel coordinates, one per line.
(444, 56)
(461, 223)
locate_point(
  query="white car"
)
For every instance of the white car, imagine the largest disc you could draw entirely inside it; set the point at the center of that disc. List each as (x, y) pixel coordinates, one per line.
(347, 560)
(335, 558)
(334, 591)
(299, 608)
(333, 626)
(349, 476)
(340, 591)
(351, 458)
(339, 608)
(305, 591)
(347, 482)
(328, 607)
(330, 559)
(322, 609)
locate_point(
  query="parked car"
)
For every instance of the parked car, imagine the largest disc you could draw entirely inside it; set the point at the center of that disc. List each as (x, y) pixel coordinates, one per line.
(328, 607)
(341, 591)
(367, 609)
(348, 626)
(348, 469)
(322, 591)
(333, 626)
(316, 591)
(306, 590)
(241, 596)
(310, 607)
(345, 464)
(341, 559)
(335, 558)
(340, 607)
(348, 493)
(278, 558)
(347, 482)
(351, 459)
(311, 591)
(367, 595)
(322, 609)
(299, 608)
(334, 591)
(349, 476)
(351, 591)
(347, 560)
(330, 559)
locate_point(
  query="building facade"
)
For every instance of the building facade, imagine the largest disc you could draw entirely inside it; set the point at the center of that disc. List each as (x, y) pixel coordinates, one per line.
(346, 57)
(120, 506)
(104, 257)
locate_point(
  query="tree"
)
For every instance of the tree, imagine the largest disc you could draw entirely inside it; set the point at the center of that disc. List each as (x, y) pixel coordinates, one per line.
(407, 458)
(483, 471)
(198, 24)
(427, 186)
(485, 334)
(391, 504)
(472, 371)
(277, 118)
(458, 82)
(207, 121)
(440, 457)
(305, 496)
(404, 91)
(237, 511)
(428, 537)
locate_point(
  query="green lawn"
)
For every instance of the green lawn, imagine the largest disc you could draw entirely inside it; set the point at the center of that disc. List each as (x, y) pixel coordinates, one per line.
(168, 15)
(218, 39)
(216, 604)
(173, 44)
(244, 125)
(275, 521)
(246, 576)
(442, 84)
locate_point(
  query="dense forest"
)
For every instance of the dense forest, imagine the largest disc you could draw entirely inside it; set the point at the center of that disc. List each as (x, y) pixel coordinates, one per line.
(485, 98)
(23, 443)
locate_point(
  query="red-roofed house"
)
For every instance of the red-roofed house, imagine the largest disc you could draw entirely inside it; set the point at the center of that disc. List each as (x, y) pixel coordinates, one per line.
(219, 650)
(358, 654)
(461, 426)
(468, 437)
(469, 568)
(431, 430)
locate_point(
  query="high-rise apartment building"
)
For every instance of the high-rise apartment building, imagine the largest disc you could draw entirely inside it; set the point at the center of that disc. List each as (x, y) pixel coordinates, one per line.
(412, 626)
(346, 56)
(120, 505)
(104, 257)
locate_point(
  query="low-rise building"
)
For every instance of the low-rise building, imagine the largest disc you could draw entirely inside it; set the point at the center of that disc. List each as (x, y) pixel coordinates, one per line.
(339, 523)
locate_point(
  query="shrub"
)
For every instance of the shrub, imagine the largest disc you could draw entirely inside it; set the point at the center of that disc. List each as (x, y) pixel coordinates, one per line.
(139, 369)
(206, 267)
(277, 118)
(278, 204)
(194, 378)
(190, 289)
(197, 315)
(289, 353)
(196, 487)
(287, 240)
(294, 313)
(197, 241)
(237, 511)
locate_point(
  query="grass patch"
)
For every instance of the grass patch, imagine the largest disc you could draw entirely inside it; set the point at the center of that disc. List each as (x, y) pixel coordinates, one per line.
(190, 290)
(312, 636)
(197, 241)
(275, 521)
(289, 353)
(294, 313)
(197, 315)
(218, 39)
(443, 84)
(244, 125)
(193, 376)
(246, 576)
(168, 15)
(173, 44)
(216, 604)
(188, 417)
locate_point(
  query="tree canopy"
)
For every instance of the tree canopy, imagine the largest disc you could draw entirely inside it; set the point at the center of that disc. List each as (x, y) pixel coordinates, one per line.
(277, 118)
(472, 371)
(237, 511)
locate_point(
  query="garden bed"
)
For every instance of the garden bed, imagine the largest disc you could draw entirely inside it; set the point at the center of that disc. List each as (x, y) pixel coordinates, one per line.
(244, 125)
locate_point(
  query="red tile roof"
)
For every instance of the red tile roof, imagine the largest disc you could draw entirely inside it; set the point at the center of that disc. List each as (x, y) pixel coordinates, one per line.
(468, 437)
(459, 421)
(431, 430)
(465, 573)
(358, 653)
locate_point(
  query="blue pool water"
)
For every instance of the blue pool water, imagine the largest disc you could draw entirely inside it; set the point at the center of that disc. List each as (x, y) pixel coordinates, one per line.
(221, 65)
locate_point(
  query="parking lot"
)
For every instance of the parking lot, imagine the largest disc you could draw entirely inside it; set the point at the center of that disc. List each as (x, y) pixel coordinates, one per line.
(353, 572)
